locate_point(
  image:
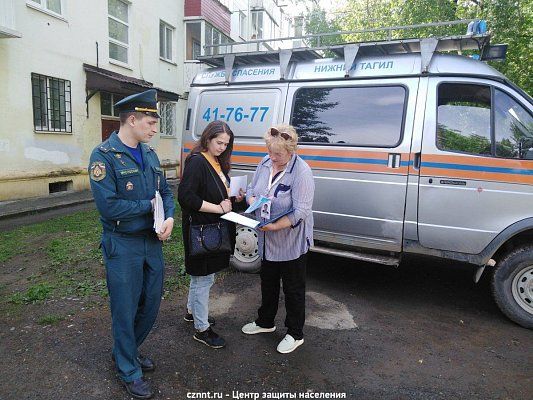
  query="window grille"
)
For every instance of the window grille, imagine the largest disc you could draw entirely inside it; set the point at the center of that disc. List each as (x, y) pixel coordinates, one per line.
(52, 106)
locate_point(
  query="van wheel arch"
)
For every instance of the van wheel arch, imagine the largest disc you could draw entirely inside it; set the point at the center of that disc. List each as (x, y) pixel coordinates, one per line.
(512, 285)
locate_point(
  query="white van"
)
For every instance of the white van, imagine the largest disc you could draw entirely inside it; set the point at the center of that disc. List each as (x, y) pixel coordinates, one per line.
(413, 151)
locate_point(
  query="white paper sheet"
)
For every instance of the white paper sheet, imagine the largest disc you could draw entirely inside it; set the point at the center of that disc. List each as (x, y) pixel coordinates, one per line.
(240, 219)
(236, 183)
(159, 212)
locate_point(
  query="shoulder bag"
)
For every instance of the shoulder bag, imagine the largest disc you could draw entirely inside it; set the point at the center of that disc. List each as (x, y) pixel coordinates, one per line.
(209, 239)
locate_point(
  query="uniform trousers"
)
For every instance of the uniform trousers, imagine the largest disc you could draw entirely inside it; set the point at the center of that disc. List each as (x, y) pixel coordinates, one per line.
(134, 272)
(292, 274)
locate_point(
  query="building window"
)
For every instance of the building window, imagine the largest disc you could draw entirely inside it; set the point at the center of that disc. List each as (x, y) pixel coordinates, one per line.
(52, 107)
(118, 21)
(166, 33)
(242, 24)
(257, 24)
(193, 39)
(214, 37)
(167, 111)
(350, 116)
(107, 100)
(53, 6)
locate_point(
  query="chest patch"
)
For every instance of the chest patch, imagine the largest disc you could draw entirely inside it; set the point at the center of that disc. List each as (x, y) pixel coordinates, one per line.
(129, 186)
(129, 171)
(97, 171)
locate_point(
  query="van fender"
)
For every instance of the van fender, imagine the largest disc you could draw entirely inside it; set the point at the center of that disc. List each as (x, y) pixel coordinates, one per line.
(481, 259)
(503, 237)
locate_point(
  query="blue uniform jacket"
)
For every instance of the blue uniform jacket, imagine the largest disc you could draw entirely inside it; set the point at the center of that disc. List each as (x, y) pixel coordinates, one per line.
(122, 190)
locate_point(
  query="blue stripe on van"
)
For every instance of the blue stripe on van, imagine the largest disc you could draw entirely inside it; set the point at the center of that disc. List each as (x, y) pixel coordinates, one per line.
(374, 161)
(479, 168)
(345, 160)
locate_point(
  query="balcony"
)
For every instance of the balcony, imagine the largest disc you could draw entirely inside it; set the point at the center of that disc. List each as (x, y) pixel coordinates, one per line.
(7, 20)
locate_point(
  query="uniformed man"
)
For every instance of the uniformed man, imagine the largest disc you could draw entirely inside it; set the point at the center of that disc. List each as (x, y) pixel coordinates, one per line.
(125, 174)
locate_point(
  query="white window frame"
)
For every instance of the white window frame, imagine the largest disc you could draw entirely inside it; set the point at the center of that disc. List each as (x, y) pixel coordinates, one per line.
(201, 41)
(167, 27)
(118, 42)
(42, 6)
(164, 108)
(242, 25)
(257, 29)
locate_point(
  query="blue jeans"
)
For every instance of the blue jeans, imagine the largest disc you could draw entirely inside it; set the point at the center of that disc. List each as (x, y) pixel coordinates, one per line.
(198, 300)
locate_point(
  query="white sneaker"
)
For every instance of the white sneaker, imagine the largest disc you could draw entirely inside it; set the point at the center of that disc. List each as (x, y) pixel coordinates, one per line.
(288, 344)
(252, 328)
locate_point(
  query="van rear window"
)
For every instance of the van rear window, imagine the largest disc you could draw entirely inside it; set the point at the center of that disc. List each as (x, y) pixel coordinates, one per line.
(354, 116)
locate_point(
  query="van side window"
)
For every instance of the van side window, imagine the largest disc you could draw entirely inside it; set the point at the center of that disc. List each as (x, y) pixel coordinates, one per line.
(463, 118)
(355, 116)
(513, 127)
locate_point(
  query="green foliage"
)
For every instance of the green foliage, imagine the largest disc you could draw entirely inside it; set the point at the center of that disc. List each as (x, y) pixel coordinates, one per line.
(509, 21)
(455, 141)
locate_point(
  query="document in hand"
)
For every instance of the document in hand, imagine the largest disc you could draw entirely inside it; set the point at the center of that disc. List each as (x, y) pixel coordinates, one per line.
(240, 219)
(159, 212)
(236, 183)
(256, 204)
(274, 219)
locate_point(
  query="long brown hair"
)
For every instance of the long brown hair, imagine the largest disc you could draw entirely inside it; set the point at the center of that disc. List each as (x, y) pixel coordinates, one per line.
(211, 131)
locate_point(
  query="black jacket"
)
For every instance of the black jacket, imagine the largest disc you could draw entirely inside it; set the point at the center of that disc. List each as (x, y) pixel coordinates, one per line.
(196, 185)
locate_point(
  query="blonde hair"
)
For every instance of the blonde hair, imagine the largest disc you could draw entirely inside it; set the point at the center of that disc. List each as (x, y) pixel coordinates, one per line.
(285, 137)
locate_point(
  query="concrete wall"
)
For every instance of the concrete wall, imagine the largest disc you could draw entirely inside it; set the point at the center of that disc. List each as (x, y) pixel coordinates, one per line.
(57, 47)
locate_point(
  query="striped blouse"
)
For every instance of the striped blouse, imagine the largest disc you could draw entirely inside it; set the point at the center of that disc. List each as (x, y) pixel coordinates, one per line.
(294, 190)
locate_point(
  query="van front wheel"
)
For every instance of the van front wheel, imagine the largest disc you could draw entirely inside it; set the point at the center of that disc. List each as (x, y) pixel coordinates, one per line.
(246, 255)
(512, 286)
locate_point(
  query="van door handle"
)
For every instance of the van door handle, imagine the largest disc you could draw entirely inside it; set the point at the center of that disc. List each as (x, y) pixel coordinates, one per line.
(394, 160)
(417, 160)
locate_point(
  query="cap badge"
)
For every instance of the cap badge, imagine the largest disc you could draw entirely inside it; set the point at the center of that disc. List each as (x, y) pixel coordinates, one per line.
(129, 186)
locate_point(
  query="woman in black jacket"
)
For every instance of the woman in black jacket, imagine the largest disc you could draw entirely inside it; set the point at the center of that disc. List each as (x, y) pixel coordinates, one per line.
(203, 196)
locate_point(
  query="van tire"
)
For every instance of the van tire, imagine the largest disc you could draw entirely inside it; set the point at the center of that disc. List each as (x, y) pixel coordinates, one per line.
(510, 276)
(252, 267)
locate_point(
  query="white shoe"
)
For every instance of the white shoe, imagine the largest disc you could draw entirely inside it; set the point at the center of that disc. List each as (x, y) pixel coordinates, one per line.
(252, 328)
(289, 344)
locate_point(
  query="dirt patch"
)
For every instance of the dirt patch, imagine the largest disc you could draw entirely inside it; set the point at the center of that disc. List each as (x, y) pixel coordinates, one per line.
(418, 332)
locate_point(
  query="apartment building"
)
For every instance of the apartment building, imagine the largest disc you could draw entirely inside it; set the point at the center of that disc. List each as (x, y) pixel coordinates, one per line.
(225, 23)
(63, 64)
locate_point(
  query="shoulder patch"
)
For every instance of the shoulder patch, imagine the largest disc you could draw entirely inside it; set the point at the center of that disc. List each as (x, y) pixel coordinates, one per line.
(97, 171)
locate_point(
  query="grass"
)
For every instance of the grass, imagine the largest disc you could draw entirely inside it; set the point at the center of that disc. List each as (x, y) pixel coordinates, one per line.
(34, 294)
(63, 259)
(50, 319)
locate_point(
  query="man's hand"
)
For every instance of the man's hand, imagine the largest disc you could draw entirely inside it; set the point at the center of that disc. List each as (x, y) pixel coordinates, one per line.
(166, 229)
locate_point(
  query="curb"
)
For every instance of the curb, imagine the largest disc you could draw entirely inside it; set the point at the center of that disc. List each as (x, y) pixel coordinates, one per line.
(36, 210)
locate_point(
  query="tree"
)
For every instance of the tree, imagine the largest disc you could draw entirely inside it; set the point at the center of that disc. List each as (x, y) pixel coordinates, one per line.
(509, 21)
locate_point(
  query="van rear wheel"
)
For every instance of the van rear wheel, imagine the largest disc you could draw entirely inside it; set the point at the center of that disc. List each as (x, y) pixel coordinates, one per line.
(512, 286)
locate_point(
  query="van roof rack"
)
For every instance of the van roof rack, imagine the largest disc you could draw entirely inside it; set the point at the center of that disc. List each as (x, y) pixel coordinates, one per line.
(349, 51)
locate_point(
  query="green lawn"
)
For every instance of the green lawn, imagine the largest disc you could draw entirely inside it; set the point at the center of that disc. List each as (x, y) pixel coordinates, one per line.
(61, 258)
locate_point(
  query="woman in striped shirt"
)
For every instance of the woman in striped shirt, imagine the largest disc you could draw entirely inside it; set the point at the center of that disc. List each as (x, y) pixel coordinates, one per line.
(285, 184)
